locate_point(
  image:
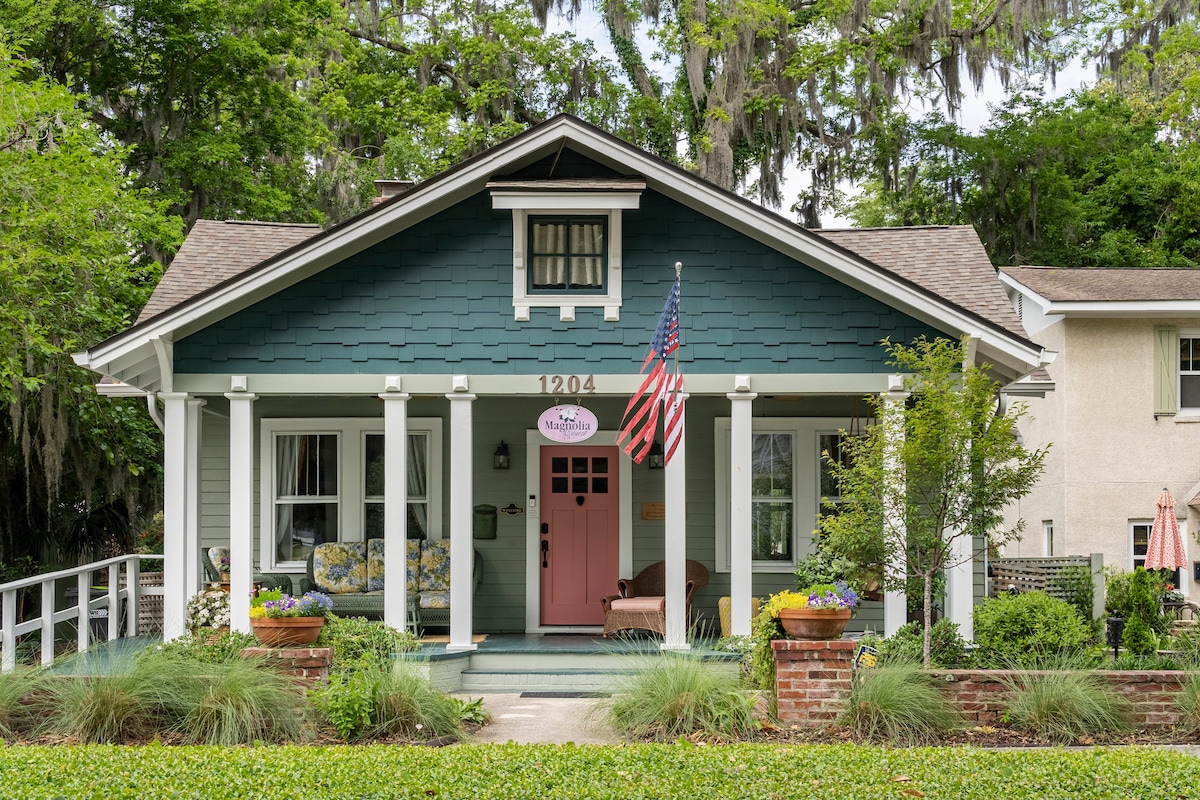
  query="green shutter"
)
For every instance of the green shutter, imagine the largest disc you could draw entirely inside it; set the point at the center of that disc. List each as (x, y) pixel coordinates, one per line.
(1166, 368)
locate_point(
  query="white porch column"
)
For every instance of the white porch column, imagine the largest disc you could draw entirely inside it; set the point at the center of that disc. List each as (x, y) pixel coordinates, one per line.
(241, 506)
(895, 602)
(195, 415)
(395, 503)
(741, 587)
(175, 513)
(675, 484)
(461, 552)
(960, 585)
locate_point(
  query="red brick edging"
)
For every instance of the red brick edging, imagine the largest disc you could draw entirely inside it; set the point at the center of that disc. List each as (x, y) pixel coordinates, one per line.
(310, 664)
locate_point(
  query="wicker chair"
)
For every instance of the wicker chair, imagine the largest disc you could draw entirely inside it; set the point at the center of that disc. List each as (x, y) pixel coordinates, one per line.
(267, 580)
(642, 604)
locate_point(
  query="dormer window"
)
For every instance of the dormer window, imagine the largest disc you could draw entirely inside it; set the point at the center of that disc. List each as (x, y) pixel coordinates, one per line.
(568, 254)
(567, 242)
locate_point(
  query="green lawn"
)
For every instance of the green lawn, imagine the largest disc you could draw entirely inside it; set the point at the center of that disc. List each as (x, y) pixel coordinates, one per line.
(637, 771)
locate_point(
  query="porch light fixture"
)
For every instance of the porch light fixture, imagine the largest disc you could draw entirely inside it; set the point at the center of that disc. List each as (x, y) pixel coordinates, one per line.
(500, 458)
(654, 458)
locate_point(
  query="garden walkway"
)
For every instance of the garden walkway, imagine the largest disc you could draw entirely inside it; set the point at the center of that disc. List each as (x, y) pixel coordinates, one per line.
(544, 720)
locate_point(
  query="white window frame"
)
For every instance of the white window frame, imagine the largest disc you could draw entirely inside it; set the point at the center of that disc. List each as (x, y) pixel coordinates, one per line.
(525, 204)
(1048, 537)
(1180, 373)
(351, 499)
(1135, 559)
(806, 435)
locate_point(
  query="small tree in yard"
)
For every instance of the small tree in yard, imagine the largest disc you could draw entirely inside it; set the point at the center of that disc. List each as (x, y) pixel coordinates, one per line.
(909, 501)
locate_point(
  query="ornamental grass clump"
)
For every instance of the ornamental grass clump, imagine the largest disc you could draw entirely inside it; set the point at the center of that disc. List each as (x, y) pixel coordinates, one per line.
(124, 706)
(377, 701)
(1064, 706)
(18, 691)
(239, 702)
(676, 696)
(1188, 703)
(898, 704)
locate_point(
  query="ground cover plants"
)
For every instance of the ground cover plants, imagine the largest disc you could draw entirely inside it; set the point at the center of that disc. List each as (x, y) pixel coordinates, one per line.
(537, 772)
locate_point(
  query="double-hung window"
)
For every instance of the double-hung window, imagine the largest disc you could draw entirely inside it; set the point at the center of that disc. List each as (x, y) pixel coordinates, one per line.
(788, 479)
(322, 481)
(568, 254)
(1189, 373)
(1139, 540)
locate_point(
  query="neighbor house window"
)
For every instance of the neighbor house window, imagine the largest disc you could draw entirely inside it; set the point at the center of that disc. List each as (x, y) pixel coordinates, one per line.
(788, 479)
(567, 254)
(1139, 536)
(1048, 536)
(1189, 372)
(323, 482)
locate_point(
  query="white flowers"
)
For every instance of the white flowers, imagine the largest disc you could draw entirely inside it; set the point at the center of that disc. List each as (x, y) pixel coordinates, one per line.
(208, 609)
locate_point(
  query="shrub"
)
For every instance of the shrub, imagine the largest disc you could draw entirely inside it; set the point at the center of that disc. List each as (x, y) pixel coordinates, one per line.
(762, 659)
(1139, 637)
(347, 702)
(376, 701)
(1073, 584)
(677, 696)
(360, 643)
(1064, 706)
(238, 702)
(947, 650)
(898, 703)
(1026, 629)
(1118, 598)
(204, 648)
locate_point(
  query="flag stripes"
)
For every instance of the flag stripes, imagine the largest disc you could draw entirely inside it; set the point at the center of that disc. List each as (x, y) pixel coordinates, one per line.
(661, 388)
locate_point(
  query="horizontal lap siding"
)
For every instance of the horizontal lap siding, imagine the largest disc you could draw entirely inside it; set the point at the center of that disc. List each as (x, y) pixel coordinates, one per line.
(437, 299)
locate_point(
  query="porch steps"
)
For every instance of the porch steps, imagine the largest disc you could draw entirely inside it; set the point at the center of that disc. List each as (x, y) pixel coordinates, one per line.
(484, 681)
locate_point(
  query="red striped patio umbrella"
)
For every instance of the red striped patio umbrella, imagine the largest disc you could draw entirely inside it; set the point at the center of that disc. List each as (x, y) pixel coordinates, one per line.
(1165, 548)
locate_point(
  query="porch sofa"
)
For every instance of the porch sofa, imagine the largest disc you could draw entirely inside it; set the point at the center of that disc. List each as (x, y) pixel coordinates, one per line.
(352, 574)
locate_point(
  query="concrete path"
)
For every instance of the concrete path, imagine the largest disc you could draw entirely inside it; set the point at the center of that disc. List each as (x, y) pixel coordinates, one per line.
(544, 720)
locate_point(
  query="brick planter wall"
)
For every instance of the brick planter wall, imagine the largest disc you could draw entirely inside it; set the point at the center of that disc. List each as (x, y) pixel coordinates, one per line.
(812, 684)
(982, 694)
(812, 679)
(309, 664)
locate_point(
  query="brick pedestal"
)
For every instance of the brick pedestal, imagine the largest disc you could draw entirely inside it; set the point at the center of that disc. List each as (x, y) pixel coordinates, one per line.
(812, 679)
(309, 664)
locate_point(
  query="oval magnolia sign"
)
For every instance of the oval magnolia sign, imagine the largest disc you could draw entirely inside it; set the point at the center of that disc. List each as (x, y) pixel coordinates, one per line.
(567, 424)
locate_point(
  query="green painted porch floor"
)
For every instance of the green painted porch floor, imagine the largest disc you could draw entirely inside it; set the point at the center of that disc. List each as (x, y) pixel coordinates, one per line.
(104, 658)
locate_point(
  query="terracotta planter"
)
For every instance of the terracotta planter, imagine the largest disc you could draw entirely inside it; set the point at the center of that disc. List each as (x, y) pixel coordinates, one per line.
(815, 623)
(278, 631)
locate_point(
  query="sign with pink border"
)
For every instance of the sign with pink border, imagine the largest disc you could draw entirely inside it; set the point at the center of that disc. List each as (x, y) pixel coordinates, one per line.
(567, 424)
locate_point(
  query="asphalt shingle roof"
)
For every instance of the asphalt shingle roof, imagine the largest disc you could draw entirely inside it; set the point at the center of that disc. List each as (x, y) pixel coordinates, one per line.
(1114, 284)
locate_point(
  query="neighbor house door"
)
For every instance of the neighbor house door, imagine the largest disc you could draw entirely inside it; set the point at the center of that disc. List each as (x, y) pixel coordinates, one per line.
(579, 537)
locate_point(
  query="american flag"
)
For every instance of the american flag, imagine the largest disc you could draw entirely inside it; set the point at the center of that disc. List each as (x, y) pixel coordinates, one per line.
(660, 387)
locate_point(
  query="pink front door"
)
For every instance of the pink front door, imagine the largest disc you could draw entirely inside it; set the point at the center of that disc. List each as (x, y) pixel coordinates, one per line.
(580, 533)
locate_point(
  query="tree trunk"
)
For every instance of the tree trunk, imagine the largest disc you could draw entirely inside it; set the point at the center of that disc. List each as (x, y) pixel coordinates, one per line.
(928, 611)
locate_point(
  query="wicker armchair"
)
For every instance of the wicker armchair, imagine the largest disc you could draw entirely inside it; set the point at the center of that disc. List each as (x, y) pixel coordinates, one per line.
(642, 603)
(267, 580)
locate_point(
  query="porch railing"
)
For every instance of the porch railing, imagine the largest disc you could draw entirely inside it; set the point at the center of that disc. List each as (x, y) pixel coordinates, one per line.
(114, 596)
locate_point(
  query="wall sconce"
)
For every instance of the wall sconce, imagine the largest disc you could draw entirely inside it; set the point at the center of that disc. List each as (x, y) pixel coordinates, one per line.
(654, 458)
(500, 458)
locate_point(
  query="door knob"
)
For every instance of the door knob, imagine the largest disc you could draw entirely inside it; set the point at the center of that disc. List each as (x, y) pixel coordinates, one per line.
(579, 500)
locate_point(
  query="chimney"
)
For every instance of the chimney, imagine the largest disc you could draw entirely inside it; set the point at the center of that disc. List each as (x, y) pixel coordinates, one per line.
(388, 189)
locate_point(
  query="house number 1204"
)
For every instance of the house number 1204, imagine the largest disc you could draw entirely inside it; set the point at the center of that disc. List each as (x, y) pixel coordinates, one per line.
(568, 384)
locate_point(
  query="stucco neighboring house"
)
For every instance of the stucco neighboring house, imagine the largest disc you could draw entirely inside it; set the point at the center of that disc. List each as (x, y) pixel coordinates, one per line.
(1124, 416)
(355, 383)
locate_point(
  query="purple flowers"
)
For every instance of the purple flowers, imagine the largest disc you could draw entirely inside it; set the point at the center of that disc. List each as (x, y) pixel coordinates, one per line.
(312, 604)
(839, 595)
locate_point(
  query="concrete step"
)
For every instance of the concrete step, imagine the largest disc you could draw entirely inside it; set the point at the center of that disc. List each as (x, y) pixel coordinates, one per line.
(502, 681)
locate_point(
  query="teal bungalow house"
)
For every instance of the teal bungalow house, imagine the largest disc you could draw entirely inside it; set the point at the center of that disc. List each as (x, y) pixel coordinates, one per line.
(385, 378)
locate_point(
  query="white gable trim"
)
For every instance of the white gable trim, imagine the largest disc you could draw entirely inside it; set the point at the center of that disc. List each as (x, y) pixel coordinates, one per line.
(117, 355)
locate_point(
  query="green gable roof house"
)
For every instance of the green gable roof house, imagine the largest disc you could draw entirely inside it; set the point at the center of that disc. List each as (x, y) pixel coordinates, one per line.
(357, 383)
(1124, 413)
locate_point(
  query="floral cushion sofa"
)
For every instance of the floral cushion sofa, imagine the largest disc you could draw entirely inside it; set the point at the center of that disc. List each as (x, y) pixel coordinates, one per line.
(352, 574)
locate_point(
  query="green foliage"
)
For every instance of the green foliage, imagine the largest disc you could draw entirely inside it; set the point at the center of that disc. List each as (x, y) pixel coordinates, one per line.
(898, 704)
(1074, 585)
(406, 704)
(964, 468)
(18, 692)
(471, 710)
(947, 650)
(677, 696)
(347, 702)
(1027, 630)
(762, 659)
(204, 649)
(1188, 703)
(237, 702)
(1065, 706)
(112, 709)
(360, 643)
(1138, 637)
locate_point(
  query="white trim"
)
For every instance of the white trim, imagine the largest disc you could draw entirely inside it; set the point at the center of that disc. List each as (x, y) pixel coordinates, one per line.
(175, 494)
(806, 433)
(1148, 522)
(537, 202)
(461, 493)
(534, 441)
(195, 422)
(1048, 540)
(741, 568)
(351, 433)
(1006, 350)
(241, 508)
(1180, 335)
(395, 504)
(675, 540)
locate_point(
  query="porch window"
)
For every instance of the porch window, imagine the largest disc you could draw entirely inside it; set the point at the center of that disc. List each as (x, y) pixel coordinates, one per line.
(567, 254)
(418, 486)
(322, 481)
(787, 482)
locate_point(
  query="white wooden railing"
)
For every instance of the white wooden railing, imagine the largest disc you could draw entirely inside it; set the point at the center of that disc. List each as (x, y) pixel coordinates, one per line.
(80, 612)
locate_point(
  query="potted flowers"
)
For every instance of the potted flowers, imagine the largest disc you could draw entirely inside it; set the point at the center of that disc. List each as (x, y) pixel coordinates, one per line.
(280, 619)
(208, 609)
(818, 612)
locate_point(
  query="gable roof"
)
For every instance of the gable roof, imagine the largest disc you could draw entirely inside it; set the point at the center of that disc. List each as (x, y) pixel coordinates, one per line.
(1108, 291)
(196, 297)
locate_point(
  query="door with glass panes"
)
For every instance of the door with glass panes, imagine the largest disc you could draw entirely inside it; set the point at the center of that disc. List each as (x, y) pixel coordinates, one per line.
(579, 538)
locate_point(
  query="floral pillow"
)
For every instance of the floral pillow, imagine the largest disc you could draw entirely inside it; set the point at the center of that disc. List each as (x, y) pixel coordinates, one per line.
(219, 556)
(374, 565)
(340, 568)
(435, 566)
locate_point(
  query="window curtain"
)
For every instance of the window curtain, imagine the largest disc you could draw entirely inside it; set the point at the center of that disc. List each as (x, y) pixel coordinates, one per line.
(587, 239)
(287, 450)
(549, 270)
(418, 483)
